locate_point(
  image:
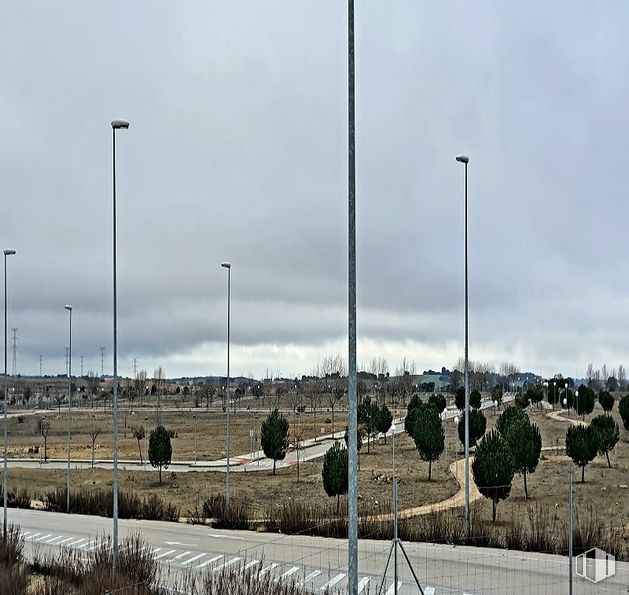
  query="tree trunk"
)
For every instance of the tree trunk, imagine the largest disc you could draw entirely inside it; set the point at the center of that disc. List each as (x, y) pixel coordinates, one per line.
(493, 515)
(297, 464)
(338, 504)
(526, 491)
(160, 474)
(93, 442)
(140, 449)
(429, 470)
(608, 462)
(368, 435)
(45, 449)
(274, 466)
(582, 473)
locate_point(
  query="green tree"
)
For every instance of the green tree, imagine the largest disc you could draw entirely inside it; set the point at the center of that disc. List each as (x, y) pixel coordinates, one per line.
(409, 420)
(608, 434)
(334, 473)
(478, 425)
(428, 436)
(623, 409)
(581, 445)
(525, 442)
(368, 413)
(475, 399)
(274, 437)
(384, 421)
(160, 449)
(139, 433)
(583, 401)
(459, 398)
(508, 416)
(521, 400)
(496, 394)
(535, 394)
(493, 469)
(438, 401)
(606, 401)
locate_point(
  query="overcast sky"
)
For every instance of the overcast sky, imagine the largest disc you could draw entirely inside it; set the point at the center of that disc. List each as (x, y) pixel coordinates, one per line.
(237, 150)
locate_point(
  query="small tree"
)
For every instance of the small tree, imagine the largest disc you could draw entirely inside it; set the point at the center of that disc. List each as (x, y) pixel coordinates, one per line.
(475, 399)
(584, 401)
(459, 398)
(139, 434)
(160, 449)
(623, 409)
(368, 413)
(334, 473)
(525, 442)
(409, 420)
(94, 433)
(384, 421)
(274, 437)
(535, 394)
(59, 398)
(478, 425)
(428, 436)
(493, 469)
(509, 416)
(298, 436)
(496, 394)
(606, 401)
(522, 401)
(608, 434)
(42, 427)
(438, 401)
(581, 445)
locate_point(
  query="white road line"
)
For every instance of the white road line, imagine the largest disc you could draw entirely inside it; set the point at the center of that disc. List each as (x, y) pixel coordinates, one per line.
(165, 554)
(32, 537)
(55, 538)
(268, 568)
(364, 582)
(429, 591)
(25, 535)
(90, 543)
(158, 549)
(228, 563)
(75, 542)
(337, 579)
(289, 572)
(180, 556)
(204, 564)
(66, 539)
(252, 563)
(194, 558)
(391, 589)
(314, 574)
(45, 537)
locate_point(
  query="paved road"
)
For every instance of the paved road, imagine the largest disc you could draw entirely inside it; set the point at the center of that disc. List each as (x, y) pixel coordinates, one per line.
(320, 563)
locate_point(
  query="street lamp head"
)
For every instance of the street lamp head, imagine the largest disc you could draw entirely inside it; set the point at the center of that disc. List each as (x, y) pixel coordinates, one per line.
(120, 124)
(226, 265)
(9, 252)
(68, 307)
(463, 159)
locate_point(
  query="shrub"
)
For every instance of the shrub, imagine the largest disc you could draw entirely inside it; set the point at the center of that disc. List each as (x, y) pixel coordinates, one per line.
(160, 449)
(274, 437)
(334, 473)
(234, 515)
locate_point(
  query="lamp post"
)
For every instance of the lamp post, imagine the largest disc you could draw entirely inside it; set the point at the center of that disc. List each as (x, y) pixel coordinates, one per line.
(228, 266)
(69, 309)
(115, 125)
(5, 480)
(465, 160)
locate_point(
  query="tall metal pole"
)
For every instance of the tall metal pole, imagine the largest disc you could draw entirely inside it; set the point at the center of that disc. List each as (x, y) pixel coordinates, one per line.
(115, 125)
(570, 533)
(228, 266)
(5, 476)
(465, 160)
(395, 538)
(352, 525)
(69, 309)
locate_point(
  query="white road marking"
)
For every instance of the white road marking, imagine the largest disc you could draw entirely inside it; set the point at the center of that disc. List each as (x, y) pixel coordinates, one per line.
(268, 568)
(337, 579)
(44, 537)
(429, 591)
(75, 542)
(25, 535)
(218, 536)
(66, 539)
(288, 573)
(194, 558)
(365, 581)
(204, 564)
(165, 554)
(314, 574)
(180, 556)
(90, 543)
(391, 589)
(252, 563)
(55, 538)
(226, 564)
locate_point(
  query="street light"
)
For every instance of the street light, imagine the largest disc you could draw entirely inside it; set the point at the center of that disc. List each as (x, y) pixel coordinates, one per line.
(5, 481)
(465, 160)
(228, 266)
(115, 125)
(69, 309)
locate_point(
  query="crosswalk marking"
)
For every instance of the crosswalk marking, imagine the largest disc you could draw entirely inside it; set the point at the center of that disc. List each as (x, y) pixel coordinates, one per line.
(194, 558)
(226, 564)
(25, 535)
(180, 556)
(75, 542)
(289, 572)
(207, 562)
(165, 554)
(65, 540)
(32, 537)
(44, 537)
(268, 568)
(55, 539)
(391, 589)
(363, 583)
(252, 563)
(337, 579)
(312, 575)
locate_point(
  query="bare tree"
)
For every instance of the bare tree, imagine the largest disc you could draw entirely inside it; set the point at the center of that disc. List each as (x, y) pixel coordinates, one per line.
(590, 375)
(59, 398)
(604, 374)
(94, 433)
(42, 427)
(93, 384)
(139, 385)
(298, 437)
(159, 376)
(139, 433)
(622, 377)
(206, 391)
